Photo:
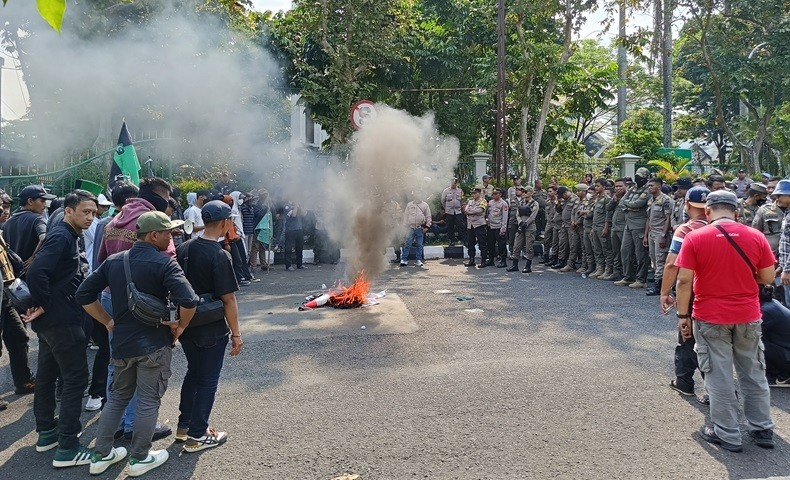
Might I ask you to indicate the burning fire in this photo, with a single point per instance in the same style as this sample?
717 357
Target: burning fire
353 296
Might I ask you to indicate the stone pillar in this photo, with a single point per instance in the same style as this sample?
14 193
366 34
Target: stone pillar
481 164
628 162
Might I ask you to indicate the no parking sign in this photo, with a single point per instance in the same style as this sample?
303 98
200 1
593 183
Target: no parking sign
362 113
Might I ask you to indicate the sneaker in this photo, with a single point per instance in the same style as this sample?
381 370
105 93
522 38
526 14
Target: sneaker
244 283
161 431
779 383
100 464
674 386
419 263
709 435
704 400
27 387
93 404
181 434
211 439
763 438
3 405
72 458
637 284
301 268
291 269
47 440
154 459
404 264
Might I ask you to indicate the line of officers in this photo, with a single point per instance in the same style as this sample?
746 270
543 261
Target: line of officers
610 230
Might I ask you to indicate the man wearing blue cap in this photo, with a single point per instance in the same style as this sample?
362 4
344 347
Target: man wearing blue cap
685 357
781 196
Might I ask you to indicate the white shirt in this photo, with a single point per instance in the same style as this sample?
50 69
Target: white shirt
193 215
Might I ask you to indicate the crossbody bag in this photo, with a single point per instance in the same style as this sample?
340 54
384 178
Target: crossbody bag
739 250
210 309
148 309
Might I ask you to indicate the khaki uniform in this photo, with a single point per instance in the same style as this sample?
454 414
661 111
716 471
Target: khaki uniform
678 214
525 237
512 219
635 204
486 191
476 228
585 217
658 208
616 213
497 218
768 220
571 227
602 246
548 234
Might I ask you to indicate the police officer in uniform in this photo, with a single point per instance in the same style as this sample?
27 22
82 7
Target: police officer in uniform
549 236
679 208
657 230
573 226
525 237
565 213
513 196
602 247
616 214
475 210
496 233
768 220
586 217
755 198
635 203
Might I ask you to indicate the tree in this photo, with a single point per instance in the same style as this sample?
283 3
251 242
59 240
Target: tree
738 51
640 134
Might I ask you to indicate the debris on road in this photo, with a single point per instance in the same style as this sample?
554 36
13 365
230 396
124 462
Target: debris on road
464 298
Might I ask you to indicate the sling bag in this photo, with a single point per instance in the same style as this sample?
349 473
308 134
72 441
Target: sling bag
210 309
739 250
148 309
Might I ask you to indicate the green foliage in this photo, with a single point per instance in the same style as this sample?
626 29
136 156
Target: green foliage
52 11
640 134
187 185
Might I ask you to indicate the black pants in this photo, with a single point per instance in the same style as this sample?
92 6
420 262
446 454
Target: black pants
61 351
456 224
685 363
497 244
477 236
777 360
294 241
101 361
16 341
239 258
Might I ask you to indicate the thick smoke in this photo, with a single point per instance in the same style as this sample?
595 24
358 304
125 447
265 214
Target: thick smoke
183 75
394 158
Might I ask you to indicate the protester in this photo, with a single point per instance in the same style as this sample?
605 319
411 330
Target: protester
209 270
192 213
141 353
53 277
725 261
293 215
776 338
417 221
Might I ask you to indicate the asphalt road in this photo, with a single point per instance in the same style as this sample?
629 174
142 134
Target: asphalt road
557 377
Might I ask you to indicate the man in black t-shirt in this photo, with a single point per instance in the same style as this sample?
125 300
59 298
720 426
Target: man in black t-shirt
209 269
26 228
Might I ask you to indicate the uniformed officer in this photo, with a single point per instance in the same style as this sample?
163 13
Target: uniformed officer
556 228
633 247
602 247
548 235
586 217
573 226
525 236
755 198
496 234
486 188
566 204
768 220
475 210
616 214
513 196
679 208
657 230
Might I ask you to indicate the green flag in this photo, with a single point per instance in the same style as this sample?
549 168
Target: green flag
125 157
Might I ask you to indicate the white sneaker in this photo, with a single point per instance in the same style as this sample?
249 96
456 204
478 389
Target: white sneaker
100 464
211 439
93 404
419 263
403 264
154 459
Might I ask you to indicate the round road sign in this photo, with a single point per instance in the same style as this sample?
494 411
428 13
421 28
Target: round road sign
363 112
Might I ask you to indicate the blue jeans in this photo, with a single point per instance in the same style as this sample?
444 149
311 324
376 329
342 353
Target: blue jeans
61 352
415 235
719 348
127 421
204 364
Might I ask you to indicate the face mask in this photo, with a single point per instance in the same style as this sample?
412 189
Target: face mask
588 196
48 203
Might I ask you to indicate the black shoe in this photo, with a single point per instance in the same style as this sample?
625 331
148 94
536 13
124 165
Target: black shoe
709 435
652 292
513 266
704 400
490 262
527 267
763 438
501 264
674 386
3 405
482 265
559 265
26 388
469 264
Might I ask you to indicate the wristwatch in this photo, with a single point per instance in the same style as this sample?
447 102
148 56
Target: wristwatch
683 315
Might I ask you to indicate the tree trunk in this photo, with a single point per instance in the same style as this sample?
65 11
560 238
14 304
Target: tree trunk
622 66
666 70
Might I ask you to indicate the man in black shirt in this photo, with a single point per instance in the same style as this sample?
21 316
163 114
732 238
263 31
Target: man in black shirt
26 228
141 354
53 277
209 269
776 338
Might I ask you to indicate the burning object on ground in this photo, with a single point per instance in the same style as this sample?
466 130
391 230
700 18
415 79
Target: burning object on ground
355 295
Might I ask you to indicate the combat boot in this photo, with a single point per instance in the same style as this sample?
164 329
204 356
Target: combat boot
606 274
501 263
567 268
655 290
582 269
489 262
513 266
623 282
527 267
470 263
597 273
560 264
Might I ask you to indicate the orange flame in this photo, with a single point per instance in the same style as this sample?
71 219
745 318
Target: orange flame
352 296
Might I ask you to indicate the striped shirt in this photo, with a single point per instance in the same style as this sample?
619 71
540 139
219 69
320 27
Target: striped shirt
683 230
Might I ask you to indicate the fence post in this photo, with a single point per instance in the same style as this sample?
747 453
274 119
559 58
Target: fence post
481 162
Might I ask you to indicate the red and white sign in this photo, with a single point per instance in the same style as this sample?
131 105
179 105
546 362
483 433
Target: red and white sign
362 113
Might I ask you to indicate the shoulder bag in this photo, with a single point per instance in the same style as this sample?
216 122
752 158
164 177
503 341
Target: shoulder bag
148 309
210 309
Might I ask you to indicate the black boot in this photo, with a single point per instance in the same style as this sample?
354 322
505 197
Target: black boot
547 260
470 263
527 267
560 264
655 289
513 267
501 263
490 262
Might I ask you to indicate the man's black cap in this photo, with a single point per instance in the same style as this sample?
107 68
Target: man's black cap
215 211
683 183
33 192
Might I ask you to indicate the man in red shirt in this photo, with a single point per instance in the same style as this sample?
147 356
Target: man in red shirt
726 261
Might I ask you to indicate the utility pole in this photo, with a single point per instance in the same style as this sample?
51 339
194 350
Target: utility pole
2 63
500 145
622 65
